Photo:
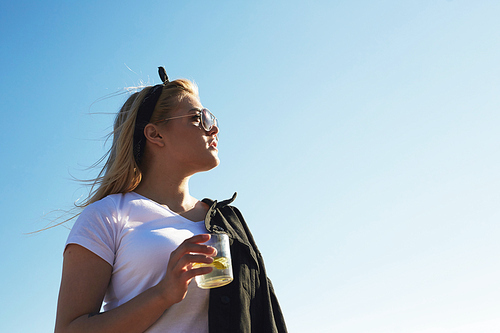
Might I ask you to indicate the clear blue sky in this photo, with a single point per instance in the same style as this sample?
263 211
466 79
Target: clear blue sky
362 138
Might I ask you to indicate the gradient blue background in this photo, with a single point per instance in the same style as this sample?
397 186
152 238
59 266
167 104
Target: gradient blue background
361 136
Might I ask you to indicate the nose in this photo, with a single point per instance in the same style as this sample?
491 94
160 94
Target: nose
214 130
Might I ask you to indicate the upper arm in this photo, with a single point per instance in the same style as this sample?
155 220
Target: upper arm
85 278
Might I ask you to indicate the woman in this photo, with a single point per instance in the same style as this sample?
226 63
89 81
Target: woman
134 244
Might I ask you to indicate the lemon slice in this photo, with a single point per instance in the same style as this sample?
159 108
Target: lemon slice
219 263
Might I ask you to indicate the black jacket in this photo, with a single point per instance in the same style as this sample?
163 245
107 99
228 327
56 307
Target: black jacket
248 303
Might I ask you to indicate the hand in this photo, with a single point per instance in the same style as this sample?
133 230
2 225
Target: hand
180 271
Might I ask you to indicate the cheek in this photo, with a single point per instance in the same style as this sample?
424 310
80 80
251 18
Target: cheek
190 146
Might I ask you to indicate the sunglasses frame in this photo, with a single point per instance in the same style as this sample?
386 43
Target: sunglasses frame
202 113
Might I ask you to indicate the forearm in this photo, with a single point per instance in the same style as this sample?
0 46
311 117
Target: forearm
133 316
86 278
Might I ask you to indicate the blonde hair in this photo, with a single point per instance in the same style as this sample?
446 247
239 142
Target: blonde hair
120 173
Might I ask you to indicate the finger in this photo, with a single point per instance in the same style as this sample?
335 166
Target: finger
191 243
191 273
201 238
186 262
193 259
186 248
193 262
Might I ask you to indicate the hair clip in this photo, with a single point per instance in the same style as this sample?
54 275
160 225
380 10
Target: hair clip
163 75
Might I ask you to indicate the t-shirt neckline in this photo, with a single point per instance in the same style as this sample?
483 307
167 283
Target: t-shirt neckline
165 207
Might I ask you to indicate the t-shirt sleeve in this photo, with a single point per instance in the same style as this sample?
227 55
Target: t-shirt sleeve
95 230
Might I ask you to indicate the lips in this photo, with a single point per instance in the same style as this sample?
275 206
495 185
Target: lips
213 144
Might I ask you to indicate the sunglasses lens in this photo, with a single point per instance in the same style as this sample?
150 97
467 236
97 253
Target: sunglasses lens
207 120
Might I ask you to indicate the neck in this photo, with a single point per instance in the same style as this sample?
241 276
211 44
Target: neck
167 189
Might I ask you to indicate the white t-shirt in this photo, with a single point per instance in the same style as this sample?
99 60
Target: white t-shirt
136 235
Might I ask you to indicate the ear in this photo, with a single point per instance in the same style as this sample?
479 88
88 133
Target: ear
153 135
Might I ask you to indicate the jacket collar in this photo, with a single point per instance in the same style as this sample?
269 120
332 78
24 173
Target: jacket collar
214 206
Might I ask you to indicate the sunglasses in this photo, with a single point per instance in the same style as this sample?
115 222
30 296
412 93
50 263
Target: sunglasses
207 119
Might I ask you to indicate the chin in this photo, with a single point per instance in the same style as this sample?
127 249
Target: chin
209 165
215 163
